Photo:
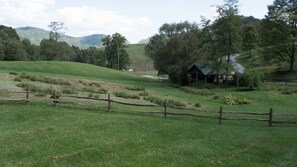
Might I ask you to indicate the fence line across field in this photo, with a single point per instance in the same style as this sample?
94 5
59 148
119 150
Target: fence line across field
220 114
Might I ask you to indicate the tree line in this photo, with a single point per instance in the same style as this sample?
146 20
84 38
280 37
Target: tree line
12 48
179 45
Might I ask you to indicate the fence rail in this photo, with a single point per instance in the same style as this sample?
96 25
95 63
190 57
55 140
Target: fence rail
219 115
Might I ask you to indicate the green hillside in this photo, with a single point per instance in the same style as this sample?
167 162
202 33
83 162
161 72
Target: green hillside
39 134
272 71
35 35
70 69
139 61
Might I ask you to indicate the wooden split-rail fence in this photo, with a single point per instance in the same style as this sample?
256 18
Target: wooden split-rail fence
220 114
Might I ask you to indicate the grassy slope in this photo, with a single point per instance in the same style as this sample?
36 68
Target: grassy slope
42 135
77 70
274 71
137 55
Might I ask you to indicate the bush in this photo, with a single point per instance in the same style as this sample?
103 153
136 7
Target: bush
32 88
174 73
13 73
198 105
44 79
143 94
135 88
155 100
216 97
252 80
175 103
126 95
288 92
68 90
18 79
159 101
203 92
92 90
232 100
49 90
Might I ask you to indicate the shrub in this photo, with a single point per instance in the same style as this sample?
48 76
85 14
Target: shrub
198 105
175 103
49 90
92 90
102 91
135 88
252 80
174 73
203 92
44 79
94 84
287 92
13 73
32 88
18 79
155 100
216 97
97 96
68 90
143 94
232 100
159 101
90 95
126 95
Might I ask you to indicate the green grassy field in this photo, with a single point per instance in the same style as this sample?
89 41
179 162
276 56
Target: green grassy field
39 134
139 61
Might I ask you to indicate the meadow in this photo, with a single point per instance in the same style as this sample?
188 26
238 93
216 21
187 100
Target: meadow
39 134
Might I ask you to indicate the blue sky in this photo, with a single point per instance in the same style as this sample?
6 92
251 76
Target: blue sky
134 19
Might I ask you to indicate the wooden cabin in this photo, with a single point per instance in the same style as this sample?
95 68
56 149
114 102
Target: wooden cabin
202 73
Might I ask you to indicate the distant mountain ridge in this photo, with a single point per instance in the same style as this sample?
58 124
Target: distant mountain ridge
36 35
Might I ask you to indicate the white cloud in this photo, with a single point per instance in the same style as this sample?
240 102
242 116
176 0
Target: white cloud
20 13
212 13
84 20
88 20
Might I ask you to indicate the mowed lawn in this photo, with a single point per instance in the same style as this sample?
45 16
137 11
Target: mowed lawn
42 135
39 134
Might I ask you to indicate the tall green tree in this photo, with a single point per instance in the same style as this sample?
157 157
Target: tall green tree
14 51
227 28
115 52
250 39
32 51
11 48
176 44
211 52
93 55
279 32
175 48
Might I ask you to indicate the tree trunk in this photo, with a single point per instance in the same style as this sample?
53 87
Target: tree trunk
292 60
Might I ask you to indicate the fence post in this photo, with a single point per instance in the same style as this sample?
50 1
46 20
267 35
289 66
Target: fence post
109 102
270 118
165 108
27 95
221 114
54 97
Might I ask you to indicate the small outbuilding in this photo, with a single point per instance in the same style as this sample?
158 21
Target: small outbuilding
203 73
200 73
